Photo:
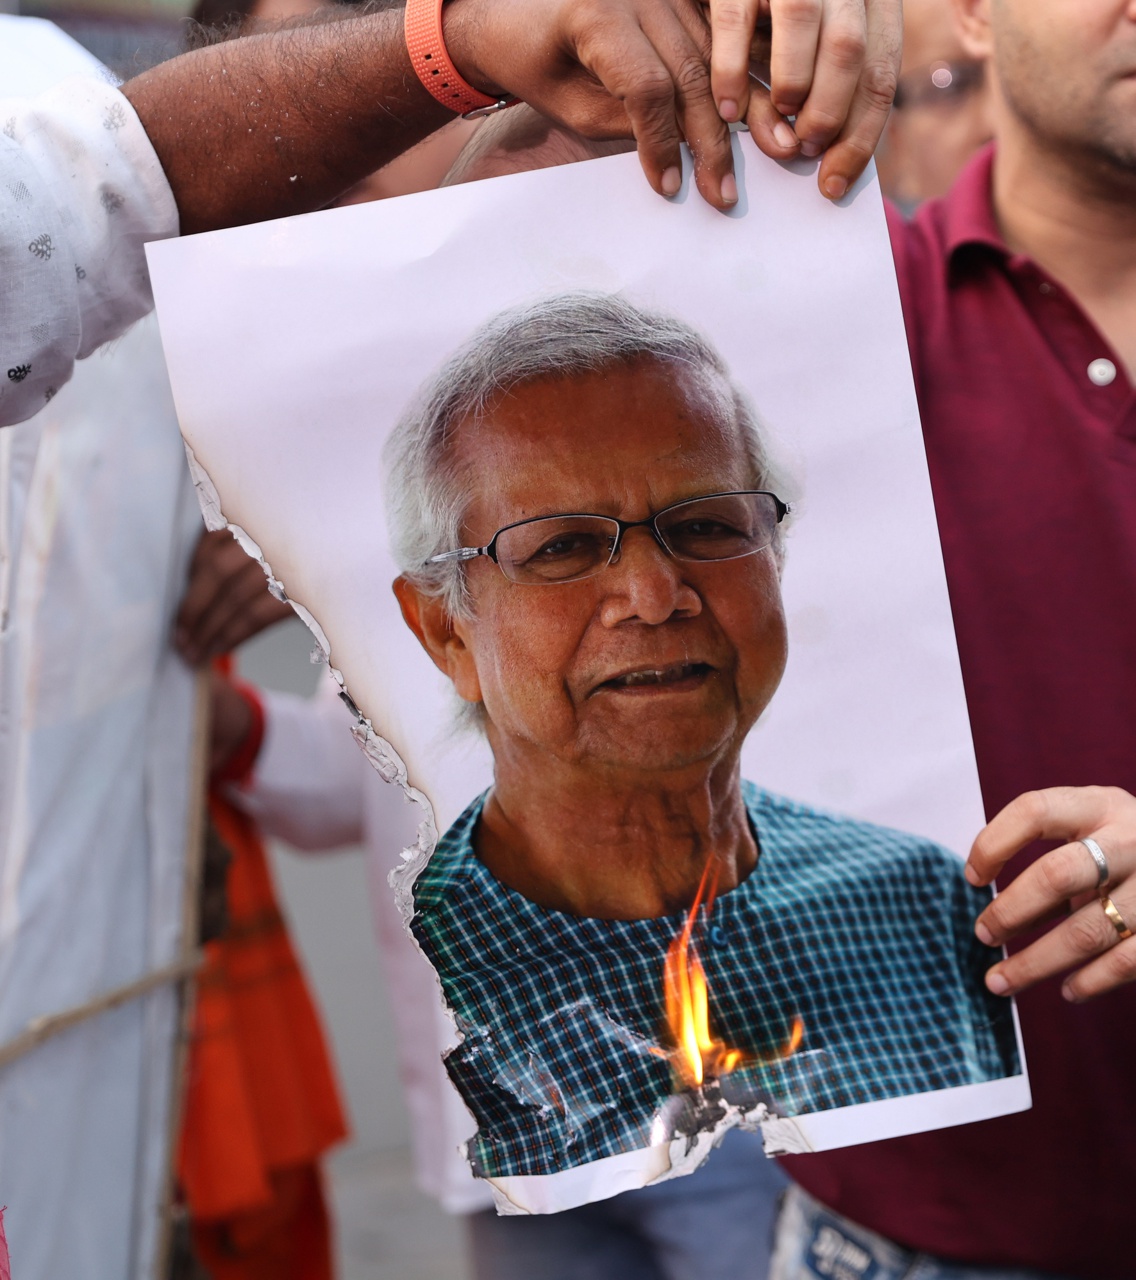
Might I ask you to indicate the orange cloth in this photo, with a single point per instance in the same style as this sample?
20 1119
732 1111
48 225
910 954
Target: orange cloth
261 1099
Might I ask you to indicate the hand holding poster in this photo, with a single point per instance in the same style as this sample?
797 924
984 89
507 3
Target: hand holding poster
529 406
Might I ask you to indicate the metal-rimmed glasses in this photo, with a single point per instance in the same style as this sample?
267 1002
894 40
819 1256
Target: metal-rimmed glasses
941 84
566 548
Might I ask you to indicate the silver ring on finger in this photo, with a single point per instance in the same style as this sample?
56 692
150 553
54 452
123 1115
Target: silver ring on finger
1099 860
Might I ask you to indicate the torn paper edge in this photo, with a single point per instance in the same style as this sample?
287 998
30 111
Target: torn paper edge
380 753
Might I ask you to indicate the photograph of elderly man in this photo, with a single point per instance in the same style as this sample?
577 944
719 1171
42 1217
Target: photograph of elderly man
590 528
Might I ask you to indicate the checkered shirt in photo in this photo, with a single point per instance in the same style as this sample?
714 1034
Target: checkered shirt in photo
865 933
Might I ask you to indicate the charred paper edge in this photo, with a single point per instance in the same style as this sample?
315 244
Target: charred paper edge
665 1158
380 753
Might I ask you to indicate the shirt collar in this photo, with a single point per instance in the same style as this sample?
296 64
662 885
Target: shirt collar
968 209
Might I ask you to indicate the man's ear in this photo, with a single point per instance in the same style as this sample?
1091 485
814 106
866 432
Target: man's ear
427 617
972 18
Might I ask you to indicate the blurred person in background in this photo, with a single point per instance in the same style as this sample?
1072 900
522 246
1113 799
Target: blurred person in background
99 528
941 114
261 1104
98 735
1019 294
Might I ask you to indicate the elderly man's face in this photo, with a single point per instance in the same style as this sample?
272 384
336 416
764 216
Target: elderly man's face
552 662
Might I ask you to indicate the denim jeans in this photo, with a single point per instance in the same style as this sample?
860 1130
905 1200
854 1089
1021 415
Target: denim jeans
716 1224
813 1243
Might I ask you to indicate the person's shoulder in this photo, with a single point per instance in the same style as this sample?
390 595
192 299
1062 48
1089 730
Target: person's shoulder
811 836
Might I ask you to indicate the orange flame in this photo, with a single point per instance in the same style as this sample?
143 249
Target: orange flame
698 1055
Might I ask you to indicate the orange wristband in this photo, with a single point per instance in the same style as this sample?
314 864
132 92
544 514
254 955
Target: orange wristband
434 66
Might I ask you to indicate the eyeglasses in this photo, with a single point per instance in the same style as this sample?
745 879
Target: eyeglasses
553 549
938 85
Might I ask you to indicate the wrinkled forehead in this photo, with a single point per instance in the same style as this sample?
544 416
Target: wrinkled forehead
606 428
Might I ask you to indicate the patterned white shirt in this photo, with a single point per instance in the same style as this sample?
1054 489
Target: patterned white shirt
81 191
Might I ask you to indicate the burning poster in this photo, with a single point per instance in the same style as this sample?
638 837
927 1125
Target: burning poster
613 518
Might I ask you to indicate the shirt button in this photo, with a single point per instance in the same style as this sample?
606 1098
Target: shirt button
1101 372
718 936
1046 288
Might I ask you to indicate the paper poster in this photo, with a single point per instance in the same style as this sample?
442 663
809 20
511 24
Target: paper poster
612 516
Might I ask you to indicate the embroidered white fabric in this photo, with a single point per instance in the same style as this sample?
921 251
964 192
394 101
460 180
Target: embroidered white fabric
97 520
81 191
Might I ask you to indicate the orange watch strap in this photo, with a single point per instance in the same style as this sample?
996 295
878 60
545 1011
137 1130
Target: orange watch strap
433 64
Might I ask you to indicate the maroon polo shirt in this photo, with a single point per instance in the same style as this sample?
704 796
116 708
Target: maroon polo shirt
1031 442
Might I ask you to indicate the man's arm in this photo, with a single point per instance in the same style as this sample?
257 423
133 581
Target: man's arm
281 123
308 782
284 122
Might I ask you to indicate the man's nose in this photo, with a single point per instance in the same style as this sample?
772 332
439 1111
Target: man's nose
646 584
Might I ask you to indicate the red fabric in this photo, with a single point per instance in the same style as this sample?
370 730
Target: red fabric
1034 475
289 1239
261 1096
5 1266
238 768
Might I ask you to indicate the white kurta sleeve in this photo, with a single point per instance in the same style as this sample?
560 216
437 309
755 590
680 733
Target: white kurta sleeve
310 779
81 191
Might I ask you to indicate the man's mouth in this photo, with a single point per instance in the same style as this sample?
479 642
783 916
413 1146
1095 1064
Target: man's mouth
676 675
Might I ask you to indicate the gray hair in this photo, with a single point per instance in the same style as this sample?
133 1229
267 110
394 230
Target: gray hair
573 333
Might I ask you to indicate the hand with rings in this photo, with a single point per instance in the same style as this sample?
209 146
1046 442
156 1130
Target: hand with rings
1090 881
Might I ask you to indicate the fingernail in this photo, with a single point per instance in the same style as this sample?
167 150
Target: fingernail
983 935
729 189
672 180
971 874
728 109
996 983
834 188
811 149
785 136
1067 993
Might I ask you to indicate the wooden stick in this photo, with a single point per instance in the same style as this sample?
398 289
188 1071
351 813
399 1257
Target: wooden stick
51 1024
191 904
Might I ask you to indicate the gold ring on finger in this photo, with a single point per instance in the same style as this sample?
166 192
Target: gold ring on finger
1115 918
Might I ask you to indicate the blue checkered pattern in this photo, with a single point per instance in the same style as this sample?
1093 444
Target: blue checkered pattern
866 933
